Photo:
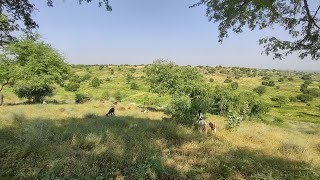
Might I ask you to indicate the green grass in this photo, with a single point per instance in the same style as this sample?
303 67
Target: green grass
76 141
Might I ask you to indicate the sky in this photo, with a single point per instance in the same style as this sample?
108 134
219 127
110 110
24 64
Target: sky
141 31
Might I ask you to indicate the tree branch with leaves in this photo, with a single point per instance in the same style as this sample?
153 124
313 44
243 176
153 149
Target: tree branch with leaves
294 16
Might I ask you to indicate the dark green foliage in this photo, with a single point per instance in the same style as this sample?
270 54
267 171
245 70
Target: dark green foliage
293 99
234 85
129 78
228 80
260 90
304 88
297 18
132 70
307 82
281 100
211 80
134 86
164 77
290 79
268 83
72 86
265 78
314 92
277 87
85 77
304 97
34 93
112 72
280 79
95 82
180 110
306 77
37 67
81 98
119 95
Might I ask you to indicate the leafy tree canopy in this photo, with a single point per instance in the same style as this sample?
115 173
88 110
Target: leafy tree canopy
165 77
34 68
299 18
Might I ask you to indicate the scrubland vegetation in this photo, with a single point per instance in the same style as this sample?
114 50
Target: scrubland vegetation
277 136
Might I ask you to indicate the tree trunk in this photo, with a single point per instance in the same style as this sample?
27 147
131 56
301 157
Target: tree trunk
1 87
1 99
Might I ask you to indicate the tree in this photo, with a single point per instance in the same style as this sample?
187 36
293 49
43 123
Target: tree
281 100
164 77
6 73
299 18
16 15
260 90
95 82
36 67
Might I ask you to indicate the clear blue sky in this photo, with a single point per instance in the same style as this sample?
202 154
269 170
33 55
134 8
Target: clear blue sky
140 31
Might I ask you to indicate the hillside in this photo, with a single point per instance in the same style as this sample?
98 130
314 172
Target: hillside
67 140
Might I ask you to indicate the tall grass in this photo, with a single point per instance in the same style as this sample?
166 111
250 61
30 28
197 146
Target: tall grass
53 144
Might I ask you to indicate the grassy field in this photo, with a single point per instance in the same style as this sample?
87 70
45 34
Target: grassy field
76 141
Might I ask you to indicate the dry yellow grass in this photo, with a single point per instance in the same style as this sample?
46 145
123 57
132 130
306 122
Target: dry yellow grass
248 153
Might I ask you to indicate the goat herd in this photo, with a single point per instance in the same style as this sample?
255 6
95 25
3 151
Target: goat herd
201 123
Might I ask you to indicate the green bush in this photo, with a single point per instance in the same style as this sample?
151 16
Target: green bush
304 97
72 86
85 77
281 100
268 83
105 95
265 78
134 86
293 99
211 80
260 90
228 80
280 79
95 82
234 85
81 98
180 110
119 95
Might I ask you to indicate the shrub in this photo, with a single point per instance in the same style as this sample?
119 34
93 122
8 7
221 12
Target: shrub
265 78
72 86
129 78
306 77
277 87
134 86
293 99
314 92
179 108
280 79
86 77
268 83
112 72
119 96
211 80
81 98
95 82
290 79
260 90
234 85
228 80
281 100
105 95
304 97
